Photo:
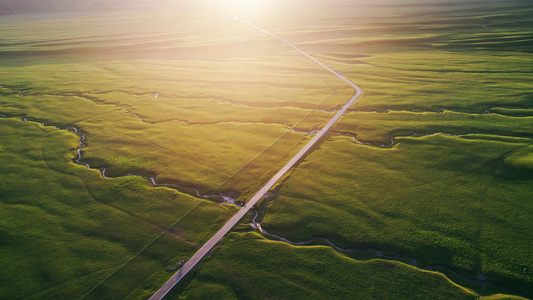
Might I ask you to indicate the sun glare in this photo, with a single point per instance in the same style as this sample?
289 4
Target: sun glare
246 5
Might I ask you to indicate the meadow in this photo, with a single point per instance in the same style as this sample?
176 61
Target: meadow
433 163
185 101
65 230
244 267
455 55
150 95
381 128
443 200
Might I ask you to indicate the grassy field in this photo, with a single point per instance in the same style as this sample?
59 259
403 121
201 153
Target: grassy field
194 97
414 55
455 195
149 95
444 200
64 229
245 267
379 128
176 95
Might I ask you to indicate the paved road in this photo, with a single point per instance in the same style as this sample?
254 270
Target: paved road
240 214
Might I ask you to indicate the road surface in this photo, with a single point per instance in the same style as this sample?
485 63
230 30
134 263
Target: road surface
240 214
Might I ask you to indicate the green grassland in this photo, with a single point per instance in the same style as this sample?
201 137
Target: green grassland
381 127
444 200
176 95
65 230
151 88
456 194
413 55
248 266
196 98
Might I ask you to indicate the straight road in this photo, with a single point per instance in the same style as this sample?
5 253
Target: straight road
240 214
